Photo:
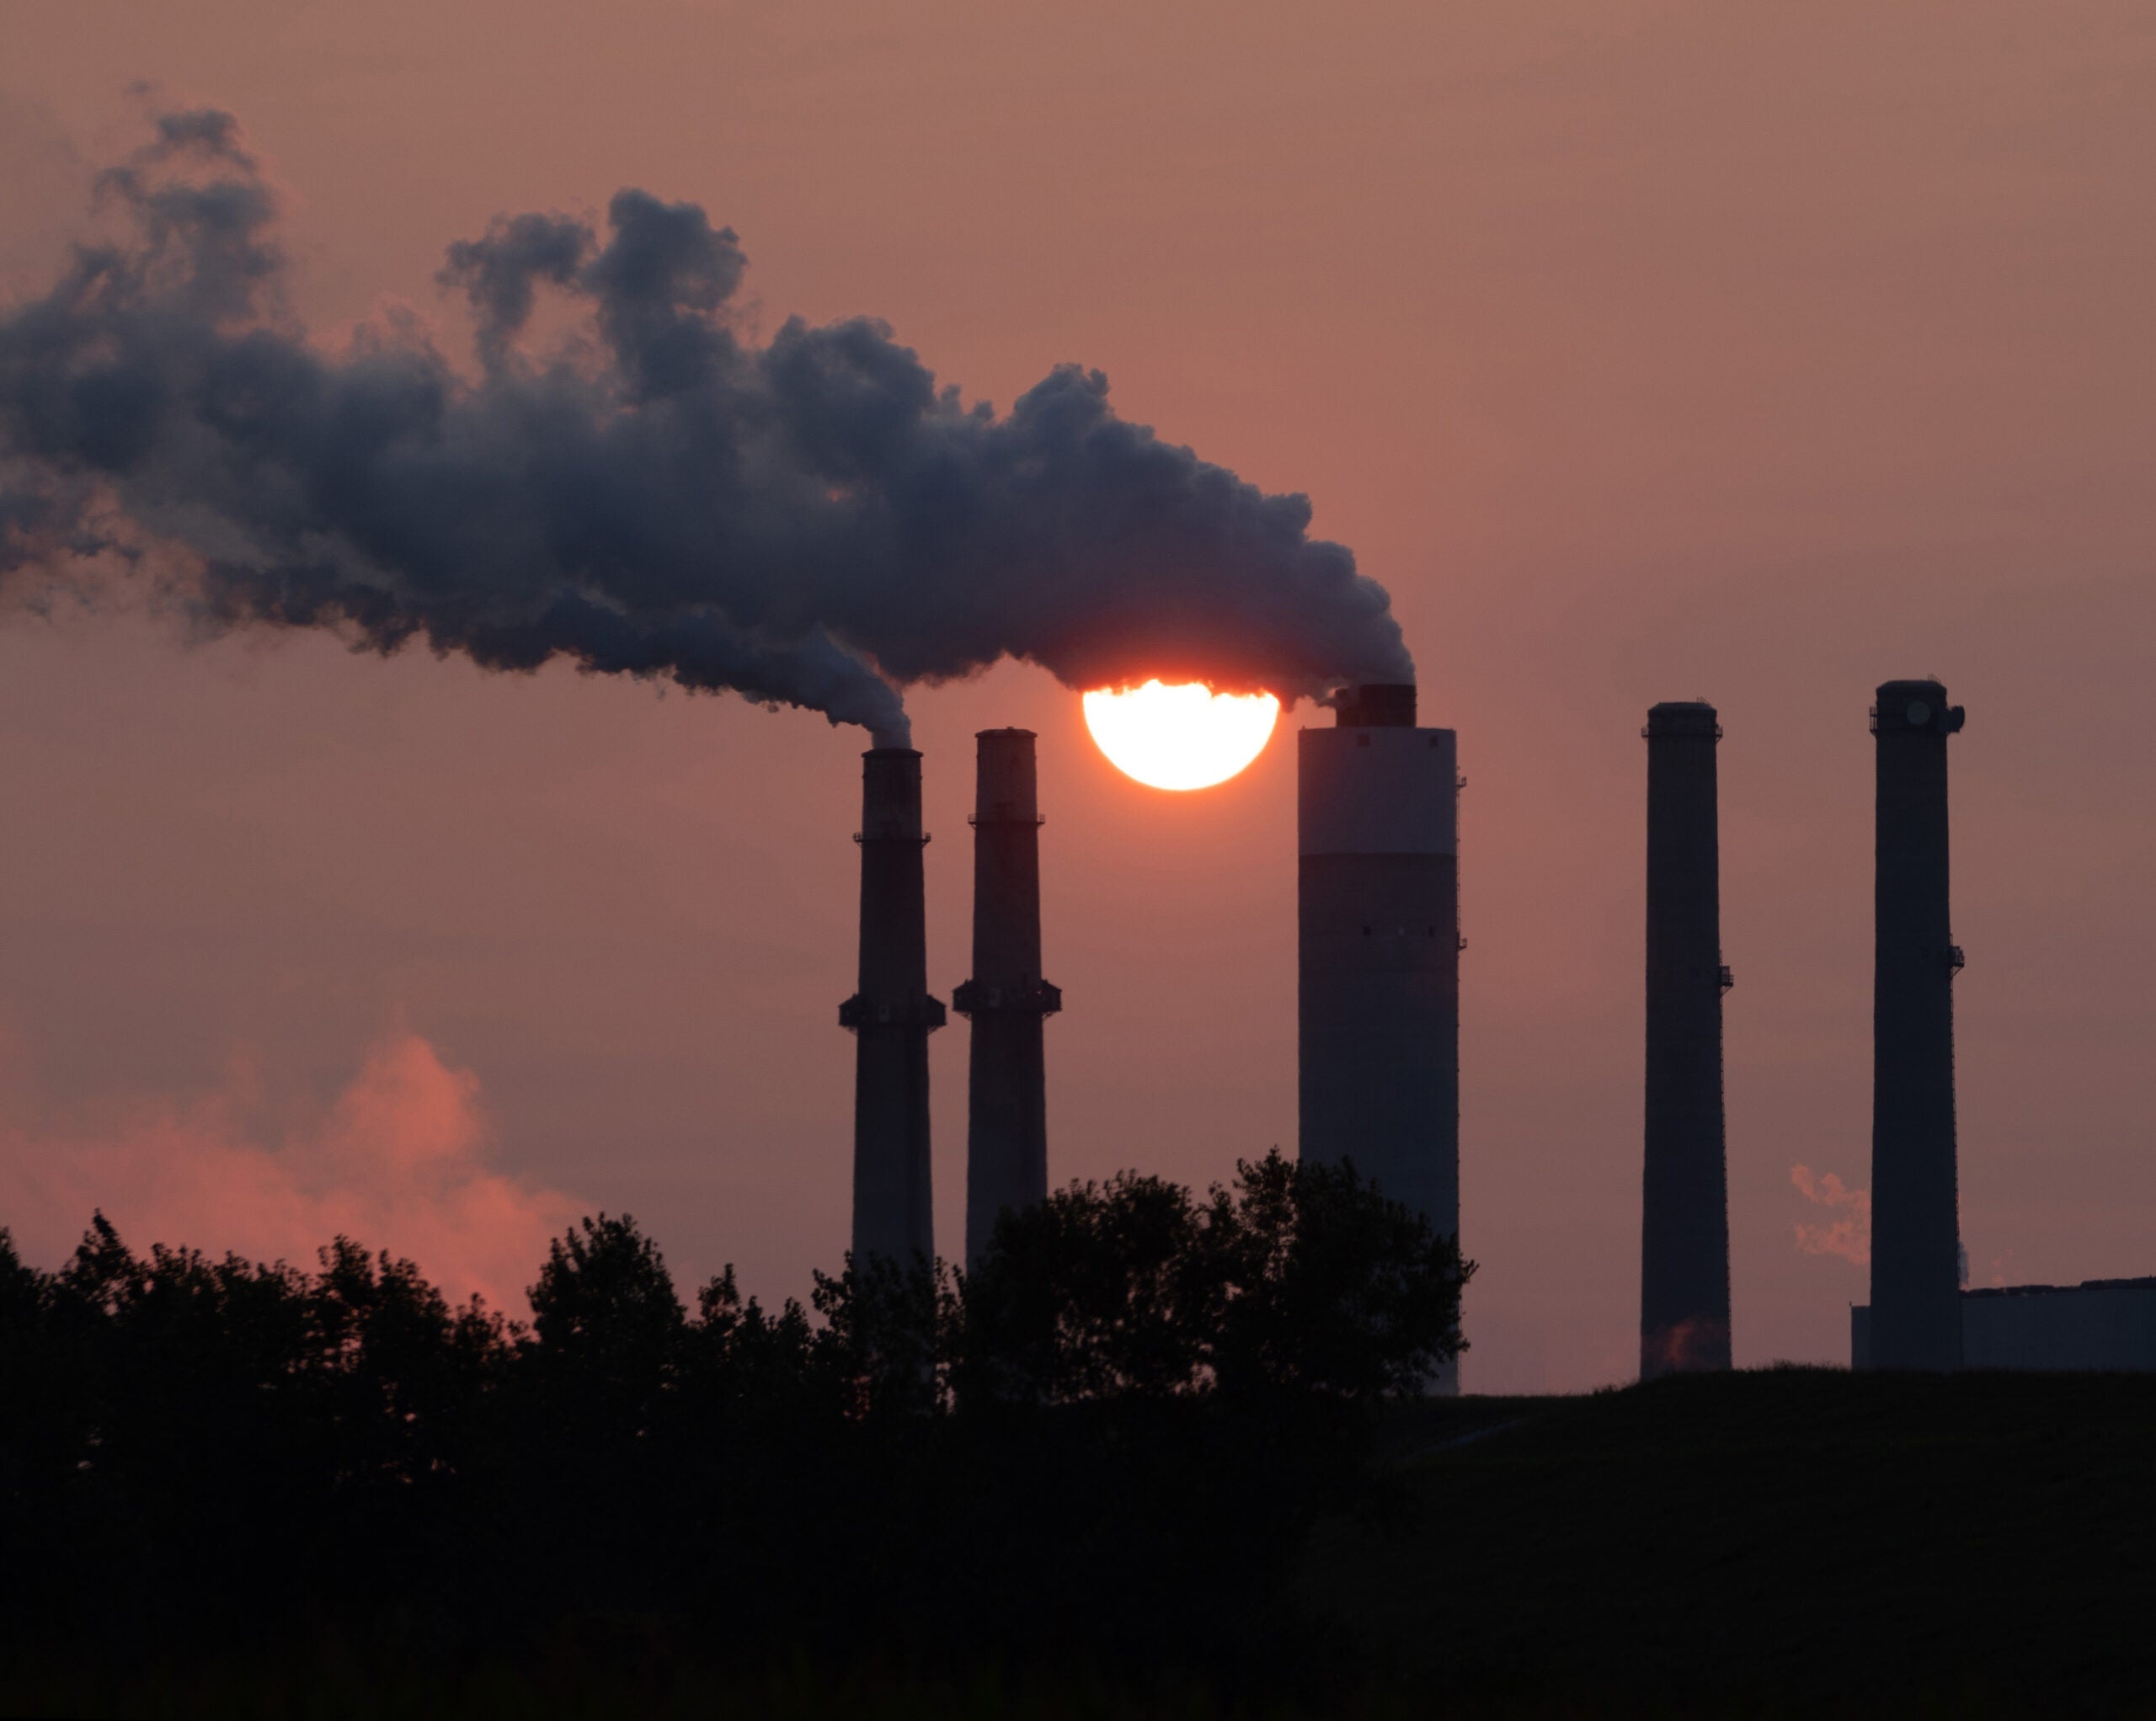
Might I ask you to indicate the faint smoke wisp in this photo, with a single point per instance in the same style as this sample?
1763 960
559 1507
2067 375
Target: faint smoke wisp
1691 1344
812 521
1848 1234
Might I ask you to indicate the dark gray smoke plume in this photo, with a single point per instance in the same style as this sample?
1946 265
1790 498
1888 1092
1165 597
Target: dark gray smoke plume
809 521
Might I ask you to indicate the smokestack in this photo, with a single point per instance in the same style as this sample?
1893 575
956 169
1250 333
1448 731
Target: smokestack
1007 1000
891 1016
1916 1303
1684 1241
1378 947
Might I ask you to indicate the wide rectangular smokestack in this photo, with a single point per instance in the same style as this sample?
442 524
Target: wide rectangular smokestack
1007 1000
1377 948
1684 1241
891 1016
1916 1248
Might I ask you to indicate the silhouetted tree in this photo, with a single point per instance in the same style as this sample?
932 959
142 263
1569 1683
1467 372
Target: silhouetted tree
747 1365
886 1337
400 1374
200 1365
1331 1288
19 1291
1295 1279
1108 1438
44 1386
1094 1293
607 1329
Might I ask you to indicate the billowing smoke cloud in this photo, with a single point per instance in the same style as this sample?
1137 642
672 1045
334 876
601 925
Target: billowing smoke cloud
812 520
1849 1233
399 1160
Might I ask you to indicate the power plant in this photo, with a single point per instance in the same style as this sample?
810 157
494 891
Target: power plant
1007 1000
1377 951
891 1016
1378 954
1916 1242
1684 1233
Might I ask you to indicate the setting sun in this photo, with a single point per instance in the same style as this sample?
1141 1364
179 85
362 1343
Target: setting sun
1180 738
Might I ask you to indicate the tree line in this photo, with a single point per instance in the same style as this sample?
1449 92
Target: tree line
1111 1435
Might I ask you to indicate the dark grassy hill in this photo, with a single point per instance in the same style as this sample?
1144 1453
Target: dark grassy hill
1785 1542
1782 1543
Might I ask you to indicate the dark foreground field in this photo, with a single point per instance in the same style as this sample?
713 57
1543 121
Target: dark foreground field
1784 1542
1778 1544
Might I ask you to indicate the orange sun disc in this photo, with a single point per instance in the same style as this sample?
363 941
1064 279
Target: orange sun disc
1180 738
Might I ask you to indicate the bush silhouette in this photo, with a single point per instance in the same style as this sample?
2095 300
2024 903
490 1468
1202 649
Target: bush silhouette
1111 1434
1297 1279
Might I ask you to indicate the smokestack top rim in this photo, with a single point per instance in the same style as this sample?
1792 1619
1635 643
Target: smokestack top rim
1915 707
892 752
988 734
1374 705
1682 717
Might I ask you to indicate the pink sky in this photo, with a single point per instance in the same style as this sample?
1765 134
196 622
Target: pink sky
1645 351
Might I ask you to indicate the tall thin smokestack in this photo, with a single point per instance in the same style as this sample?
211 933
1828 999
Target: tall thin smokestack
1684 1241
891 1016
1378 945
1916 1247
1007 1000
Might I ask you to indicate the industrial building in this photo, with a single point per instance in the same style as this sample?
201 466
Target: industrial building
891 1016
2100 1324
1684 1229
1377 951
1916 1246
1007 1000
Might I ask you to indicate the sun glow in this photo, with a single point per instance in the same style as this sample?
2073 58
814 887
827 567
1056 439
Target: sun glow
1180 738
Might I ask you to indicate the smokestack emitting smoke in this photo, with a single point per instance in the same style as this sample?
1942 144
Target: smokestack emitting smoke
812 520
1916 1301
1684 1240
891 1016
1007 1000
1378 951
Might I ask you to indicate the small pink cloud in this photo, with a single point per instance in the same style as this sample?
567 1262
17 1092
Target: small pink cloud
1850 1234
401 1159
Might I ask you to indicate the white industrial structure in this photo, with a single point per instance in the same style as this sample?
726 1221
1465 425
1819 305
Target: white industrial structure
1378 907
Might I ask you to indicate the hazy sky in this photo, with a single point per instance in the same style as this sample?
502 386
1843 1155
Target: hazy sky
1746 352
